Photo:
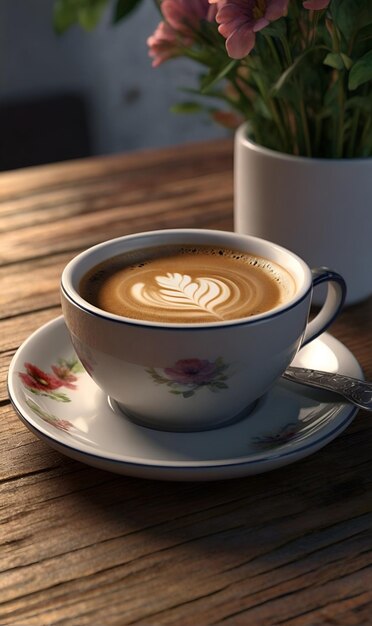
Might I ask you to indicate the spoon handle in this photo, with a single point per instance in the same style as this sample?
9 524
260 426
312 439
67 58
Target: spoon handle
359 392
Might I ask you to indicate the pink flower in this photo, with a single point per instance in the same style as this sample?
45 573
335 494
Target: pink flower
184 16
240 20
163 44
182 22
316 5
35 378
192 371
58 423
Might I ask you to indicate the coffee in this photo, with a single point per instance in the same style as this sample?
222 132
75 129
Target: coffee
187 284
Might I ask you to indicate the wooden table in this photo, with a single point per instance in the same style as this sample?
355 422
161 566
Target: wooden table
80 546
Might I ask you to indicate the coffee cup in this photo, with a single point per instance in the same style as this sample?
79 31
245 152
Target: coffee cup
187 329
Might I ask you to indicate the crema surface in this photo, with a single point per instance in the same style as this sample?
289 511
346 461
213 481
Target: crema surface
187 284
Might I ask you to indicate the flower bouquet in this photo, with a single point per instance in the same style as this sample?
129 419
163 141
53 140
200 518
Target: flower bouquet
296 77
298 71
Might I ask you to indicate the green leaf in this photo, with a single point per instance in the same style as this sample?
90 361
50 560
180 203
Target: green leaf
361 103
123 8
64 15
333 59
361 72
89 16
60 397
351 16
87 13
212 78
348 62
339 61
276 29
77 367
219 385
365 33
292 70
186 107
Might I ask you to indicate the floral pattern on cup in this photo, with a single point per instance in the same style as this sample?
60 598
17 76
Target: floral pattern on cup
40 383
187 376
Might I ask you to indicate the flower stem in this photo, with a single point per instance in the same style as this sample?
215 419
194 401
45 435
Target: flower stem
305 128
365 143
353 133
272 108
339 135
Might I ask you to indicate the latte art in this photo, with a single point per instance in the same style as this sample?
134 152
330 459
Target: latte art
180 291
186 284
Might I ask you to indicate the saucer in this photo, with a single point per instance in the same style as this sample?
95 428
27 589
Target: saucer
58 401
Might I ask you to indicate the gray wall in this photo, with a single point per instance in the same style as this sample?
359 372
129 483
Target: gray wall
128 100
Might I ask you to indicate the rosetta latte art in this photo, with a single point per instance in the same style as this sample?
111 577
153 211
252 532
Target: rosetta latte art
180 291
187 285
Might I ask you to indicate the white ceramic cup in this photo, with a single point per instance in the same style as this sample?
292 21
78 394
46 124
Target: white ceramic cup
187 377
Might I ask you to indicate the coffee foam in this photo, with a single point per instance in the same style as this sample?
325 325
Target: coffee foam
187 284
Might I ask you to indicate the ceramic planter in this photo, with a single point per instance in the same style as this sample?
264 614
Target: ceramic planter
319 208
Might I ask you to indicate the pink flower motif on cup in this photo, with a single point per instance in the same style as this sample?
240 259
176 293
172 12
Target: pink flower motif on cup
240 20
192 371
187 376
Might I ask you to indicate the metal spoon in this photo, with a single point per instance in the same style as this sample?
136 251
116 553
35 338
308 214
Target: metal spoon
359 392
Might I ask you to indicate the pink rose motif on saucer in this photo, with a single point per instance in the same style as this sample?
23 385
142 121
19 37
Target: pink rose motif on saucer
45 384
187 376
38 381
41 383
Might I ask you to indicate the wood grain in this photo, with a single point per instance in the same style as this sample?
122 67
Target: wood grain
79 546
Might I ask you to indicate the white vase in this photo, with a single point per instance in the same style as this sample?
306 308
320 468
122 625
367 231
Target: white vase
319 208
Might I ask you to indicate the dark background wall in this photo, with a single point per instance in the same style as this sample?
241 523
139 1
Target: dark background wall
86 93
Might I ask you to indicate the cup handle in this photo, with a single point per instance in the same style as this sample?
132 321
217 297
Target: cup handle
333 304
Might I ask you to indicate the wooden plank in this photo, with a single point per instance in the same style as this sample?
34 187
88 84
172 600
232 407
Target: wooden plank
192 158
225 549
83 230
14 332
31 286
102 195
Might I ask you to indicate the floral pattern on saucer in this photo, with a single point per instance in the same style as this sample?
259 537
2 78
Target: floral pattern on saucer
46 384
187 376
57 422
40 383
271 440
285 427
